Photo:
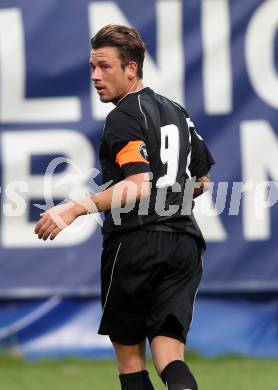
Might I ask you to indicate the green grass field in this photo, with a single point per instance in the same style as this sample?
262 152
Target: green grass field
229 373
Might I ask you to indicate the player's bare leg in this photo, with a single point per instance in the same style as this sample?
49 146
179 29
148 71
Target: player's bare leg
165 350
130 358
131 361
168 358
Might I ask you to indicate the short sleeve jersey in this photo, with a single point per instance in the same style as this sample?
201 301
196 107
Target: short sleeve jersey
148 133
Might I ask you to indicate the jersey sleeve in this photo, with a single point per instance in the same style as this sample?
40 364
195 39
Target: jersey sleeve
201 157
126 143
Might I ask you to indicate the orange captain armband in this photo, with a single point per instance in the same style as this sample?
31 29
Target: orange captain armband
133 152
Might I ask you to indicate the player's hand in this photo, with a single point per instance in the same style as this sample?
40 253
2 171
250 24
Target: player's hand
54 220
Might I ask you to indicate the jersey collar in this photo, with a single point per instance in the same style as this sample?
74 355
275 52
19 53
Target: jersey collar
130 93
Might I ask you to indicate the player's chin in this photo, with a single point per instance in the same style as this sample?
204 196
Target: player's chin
104 96
108 98
104 99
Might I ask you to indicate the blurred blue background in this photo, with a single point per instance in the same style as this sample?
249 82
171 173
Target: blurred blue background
217 58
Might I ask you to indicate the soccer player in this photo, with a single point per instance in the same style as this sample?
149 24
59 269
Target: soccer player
151 261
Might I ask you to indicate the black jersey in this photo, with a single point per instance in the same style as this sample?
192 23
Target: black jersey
147 132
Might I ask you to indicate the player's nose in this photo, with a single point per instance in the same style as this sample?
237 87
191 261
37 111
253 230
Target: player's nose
96 75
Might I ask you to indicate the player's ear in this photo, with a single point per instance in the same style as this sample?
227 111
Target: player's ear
132 70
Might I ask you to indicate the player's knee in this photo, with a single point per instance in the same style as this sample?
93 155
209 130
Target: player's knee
128 363
133 365
163 360
130 358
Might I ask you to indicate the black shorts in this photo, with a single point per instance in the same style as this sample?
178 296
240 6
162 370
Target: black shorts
149 283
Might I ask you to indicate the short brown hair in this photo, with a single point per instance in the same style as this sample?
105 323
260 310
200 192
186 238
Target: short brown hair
126 39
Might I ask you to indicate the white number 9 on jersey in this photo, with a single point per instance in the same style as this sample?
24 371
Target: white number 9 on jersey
169 154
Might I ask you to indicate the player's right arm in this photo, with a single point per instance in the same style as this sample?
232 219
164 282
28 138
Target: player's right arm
126 145
54 220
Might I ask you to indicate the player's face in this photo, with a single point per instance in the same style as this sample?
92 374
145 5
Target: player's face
111 81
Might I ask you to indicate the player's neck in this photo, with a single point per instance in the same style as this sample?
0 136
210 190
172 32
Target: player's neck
134 86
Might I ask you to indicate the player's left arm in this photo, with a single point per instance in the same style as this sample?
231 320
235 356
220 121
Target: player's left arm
201 162
202 185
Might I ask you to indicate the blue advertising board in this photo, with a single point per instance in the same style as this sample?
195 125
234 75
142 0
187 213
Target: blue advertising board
217 58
